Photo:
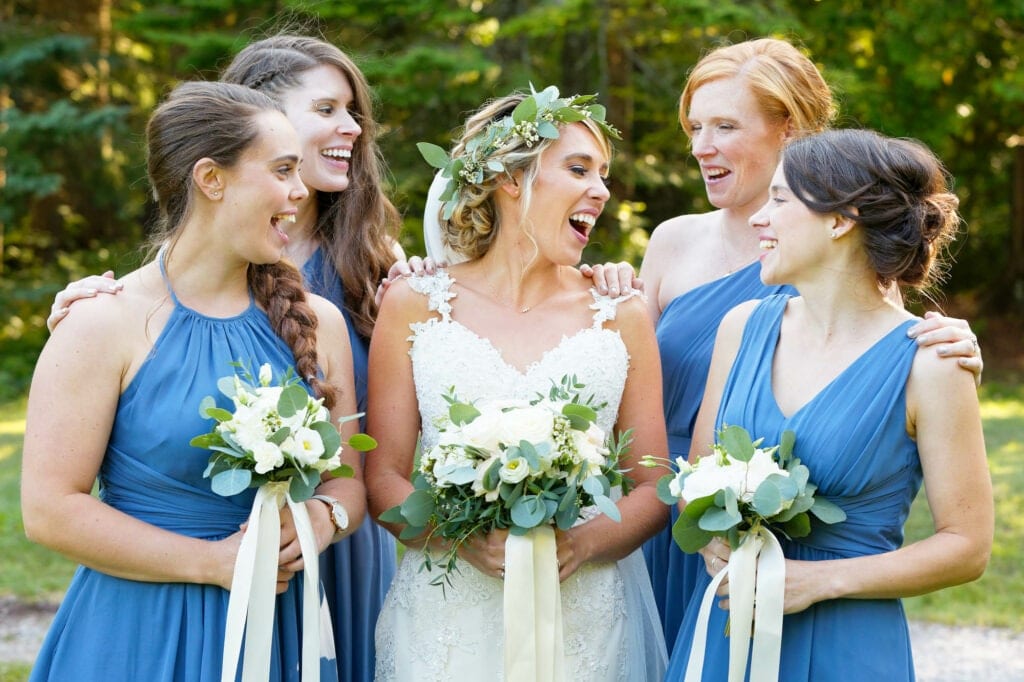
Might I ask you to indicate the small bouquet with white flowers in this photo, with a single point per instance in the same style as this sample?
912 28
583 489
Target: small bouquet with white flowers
741 487
276 433
744 493
279 440
518 465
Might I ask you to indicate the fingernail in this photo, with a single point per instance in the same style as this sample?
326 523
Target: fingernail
91 292
943 351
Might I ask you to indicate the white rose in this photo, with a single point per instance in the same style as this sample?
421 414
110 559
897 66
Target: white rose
514 470
265 374
304 446
484 432
532 424
760 467
708 477
268 457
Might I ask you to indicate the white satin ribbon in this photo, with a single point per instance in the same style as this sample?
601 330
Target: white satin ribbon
252 600
533 608
757 577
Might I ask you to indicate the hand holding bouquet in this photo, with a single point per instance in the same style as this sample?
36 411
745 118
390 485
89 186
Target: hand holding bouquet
511 464
280 440
743 492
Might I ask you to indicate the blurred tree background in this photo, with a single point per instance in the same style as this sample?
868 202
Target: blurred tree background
77 81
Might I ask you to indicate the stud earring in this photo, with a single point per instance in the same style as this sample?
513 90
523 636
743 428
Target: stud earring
215 194
835 235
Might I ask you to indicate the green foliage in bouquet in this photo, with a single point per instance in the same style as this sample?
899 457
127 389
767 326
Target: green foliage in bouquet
276 433
741 487
472 482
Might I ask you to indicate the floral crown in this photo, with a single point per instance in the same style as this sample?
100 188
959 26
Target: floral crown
536 116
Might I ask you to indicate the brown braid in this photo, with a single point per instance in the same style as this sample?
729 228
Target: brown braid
278 289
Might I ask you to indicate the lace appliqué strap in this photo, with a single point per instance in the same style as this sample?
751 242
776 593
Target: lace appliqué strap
438 290
606 306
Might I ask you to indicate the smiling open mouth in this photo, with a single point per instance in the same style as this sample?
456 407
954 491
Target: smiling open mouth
582 222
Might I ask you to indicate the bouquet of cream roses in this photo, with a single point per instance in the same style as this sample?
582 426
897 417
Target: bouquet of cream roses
512 464
276 433
741 487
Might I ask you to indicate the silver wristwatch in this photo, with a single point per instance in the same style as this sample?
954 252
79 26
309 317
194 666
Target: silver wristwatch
339 516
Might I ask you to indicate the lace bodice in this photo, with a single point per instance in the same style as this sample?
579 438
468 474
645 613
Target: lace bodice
447 354
610 627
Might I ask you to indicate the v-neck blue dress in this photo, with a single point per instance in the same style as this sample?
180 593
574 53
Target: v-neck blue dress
110 629
358 570
686 338
852 436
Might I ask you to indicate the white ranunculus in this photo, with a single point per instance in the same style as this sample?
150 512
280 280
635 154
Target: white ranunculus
304 446
267 456
532 424
265 374
514 470
322 465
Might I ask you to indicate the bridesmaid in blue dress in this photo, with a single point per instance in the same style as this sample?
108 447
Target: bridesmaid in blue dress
116 394
851 213
741 104
343 240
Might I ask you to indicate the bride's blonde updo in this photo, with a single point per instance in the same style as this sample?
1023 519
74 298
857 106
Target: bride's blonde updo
473 223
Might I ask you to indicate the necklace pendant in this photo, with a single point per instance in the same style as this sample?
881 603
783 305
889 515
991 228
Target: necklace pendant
524 309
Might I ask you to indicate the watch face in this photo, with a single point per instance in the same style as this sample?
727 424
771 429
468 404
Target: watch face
340 516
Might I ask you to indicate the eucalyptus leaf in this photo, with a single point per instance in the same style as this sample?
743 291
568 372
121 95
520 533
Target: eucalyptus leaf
584 411
226 385
688 535
718 520
433 155
462 413
609 508
767 500
392 515
736 441
526 110
798 527
548 130
664 494
418 508
231 482
300 489
528 511
343 471
293 400
328 436
827 511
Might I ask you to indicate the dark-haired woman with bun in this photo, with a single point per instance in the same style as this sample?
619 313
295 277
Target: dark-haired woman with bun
850 213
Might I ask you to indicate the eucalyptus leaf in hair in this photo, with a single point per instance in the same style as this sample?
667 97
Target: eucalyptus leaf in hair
537 116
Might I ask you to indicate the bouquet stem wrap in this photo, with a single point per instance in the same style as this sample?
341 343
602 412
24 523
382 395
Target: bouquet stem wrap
533 608
252 600
757 577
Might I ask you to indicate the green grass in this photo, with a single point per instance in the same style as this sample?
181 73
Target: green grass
998 597
14 672
36 574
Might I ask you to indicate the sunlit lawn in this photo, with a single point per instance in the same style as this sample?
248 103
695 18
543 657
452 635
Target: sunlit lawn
33 573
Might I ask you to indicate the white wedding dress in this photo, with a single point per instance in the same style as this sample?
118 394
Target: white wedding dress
610 621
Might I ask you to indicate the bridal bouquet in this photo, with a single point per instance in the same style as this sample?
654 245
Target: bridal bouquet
514 464
745 493
279 440
276 433
741 487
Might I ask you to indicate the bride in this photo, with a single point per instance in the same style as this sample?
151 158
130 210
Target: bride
514 317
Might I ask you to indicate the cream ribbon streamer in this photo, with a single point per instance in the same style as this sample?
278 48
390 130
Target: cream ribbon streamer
533 608
757 576
252 600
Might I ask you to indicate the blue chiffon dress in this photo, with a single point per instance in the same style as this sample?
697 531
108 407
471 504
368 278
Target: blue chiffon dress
111 629
852 436
686 338
357 571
